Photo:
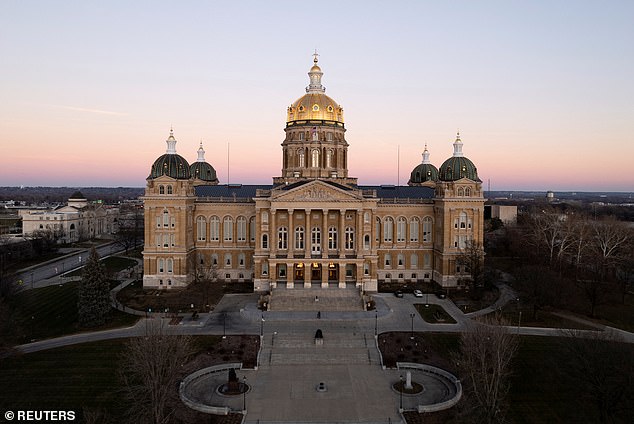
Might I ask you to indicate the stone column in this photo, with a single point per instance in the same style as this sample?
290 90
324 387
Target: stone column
273 232
341 230
324 275
358 234
291 235
342 275
273 272
324 234
307 274
290 275
308 235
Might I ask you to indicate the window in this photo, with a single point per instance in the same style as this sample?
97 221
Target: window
388 229
161 265
413 230
349 270
426 260
314 155
161 189
214 228
166 240
282 238
467 192
281 270
170 190
463 220
227 229
300 157
166 219
158 222
242 228
329 158
201 228
377 229
214 260
329 135
170 264
265 268
400 229
349 238
388 260
460 192
366 242
299 238
173 239
301 136
366 269
315 240
241 260
265 241
173 222
227 259
265 217
366 217
252 229
413 260
427 229
332 238
401 260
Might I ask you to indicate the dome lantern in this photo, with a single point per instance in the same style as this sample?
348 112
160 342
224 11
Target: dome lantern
170 164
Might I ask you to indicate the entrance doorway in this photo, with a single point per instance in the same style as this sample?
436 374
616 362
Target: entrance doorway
299 273
333 272
315 272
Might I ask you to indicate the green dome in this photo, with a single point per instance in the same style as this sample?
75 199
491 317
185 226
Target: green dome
170 165
458 167
422 173
203 171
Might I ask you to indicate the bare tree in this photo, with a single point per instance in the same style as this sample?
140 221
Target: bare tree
603 368
472 258
486 351
151 370
535 283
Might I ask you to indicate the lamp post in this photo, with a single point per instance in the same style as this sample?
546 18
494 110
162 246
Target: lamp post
427 298
244 393
262 326
224 325
412 315
400 407
376 323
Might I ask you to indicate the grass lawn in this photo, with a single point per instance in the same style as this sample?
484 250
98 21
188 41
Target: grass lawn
86 375
112 263
544 319
51 312
617 314
434 314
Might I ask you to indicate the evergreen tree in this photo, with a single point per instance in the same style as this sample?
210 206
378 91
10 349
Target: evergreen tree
94 293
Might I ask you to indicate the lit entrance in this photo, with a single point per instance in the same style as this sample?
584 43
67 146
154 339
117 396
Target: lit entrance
315 272
333 272
299 273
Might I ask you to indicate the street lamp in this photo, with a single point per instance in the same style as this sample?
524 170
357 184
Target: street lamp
376 323
427 298
262 326
400 408
244 393
412 315
224 325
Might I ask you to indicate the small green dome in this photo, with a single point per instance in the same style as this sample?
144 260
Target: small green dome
458 167
203 171
422 173
170 165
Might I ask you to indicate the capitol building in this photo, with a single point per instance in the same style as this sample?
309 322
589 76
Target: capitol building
315 225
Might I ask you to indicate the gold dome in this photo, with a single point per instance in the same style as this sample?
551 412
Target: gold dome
315 104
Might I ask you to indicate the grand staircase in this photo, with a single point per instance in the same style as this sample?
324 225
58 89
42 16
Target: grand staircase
316 299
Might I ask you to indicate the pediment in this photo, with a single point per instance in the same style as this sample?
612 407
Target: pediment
316 191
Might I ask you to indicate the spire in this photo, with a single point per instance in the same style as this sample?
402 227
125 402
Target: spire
171 143
315 77
426 155
457 146
201 153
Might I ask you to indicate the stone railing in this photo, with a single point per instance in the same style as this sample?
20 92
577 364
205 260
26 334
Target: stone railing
438 372
208 409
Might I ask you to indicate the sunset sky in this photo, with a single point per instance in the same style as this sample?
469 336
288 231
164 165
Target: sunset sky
541 91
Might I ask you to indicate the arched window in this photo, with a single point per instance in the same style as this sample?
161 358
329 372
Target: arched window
366 217
241 260
315 244
227 260
349 238
242 228
170 265
388 260
332 238
366 269
329 157
265 268
161 266
301 136
300 157
170 190
377 229
388 229
227 229
265 241
314 155
401 260
463 220
427 229
214 228
366 242
282 238
400 229
467 192
427 260
161 189
413 260
214 260
201 228
166 218
460 192
413 229
265 217
252 229
299 238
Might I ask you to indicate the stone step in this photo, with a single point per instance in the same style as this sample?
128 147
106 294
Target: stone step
296 357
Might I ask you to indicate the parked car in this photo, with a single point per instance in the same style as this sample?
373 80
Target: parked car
418 293
398 293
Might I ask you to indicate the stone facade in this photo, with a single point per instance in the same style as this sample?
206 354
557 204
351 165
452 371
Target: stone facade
315 226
